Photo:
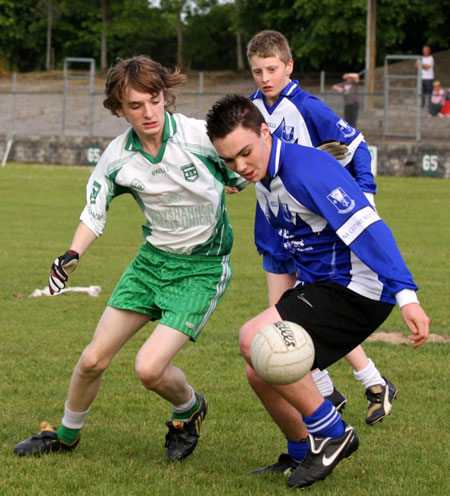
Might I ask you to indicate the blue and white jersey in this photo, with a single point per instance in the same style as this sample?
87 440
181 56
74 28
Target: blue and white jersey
328 226
299 117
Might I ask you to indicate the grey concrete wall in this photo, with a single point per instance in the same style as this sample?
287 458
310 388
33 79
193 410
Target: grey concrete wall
412 158
394 158
66 150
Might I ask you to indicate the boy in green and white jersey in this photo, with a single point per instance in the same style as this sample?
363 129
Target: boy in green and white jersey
168 164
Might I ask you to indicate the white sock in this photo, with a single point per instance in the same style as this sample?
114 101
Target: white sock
369 376
73 420
185 406
323 382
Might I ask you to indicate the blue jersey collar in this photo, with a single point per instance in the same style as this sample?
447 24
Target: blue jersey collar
289 90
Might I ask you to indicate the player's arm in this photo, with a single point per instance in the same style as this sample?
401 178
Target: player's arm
82 239
93 221
373 243
361 170
65 264
339 200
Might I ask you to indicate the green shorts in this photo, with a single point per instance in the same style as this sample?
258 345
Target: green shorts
181 291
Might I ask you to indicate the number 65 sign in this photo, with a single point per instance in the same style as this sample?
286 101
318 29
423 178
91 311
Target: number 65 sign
429 164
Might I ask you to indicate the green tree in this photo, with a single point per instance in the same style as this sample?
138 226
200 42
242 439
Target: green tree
22 34
331 34
210 41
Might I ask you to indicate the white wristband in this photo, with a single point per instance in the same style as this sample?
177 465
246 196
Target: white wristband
406 296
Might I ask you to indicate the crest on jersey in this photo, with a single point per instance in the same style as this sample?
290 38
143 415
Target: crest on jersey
137 184
287 134
345 128
190 172
343 203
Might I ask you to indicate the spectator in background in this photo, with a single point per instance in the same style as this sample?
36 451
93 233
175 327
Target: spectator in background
349 89
437 100
427 73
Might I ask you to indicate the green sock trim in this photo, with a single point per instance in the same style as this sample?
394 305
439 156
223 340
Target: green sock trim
66 435
187 415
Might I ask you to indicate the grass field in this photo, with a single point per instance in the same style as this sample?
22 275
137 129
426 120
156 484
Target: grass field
122 448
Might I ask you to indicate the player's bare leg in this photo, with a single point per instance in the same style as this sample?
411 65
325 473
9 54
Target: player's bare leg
154 368
357 358
277 284
153 365
113 330
301 412
380 392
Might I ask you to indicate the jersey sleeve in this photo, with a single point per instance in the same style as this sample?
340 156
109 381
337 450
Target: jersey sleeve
100 190
324 125
334 195
360 169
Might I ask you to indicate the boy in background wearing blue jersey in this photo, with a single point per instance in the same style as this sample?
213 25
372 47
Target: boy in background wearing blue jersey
350 276
168 164
295 116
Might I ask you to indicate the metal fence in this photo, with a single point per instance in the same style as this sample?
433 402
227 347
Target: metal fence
52 106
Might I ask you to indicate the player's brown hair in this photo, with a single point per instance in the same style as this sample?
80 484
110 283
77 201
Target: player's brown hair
142 74
269 43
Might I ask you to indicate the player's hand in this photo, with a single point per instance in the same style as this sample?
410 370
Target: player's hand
417 321
230 190
62 267
335 148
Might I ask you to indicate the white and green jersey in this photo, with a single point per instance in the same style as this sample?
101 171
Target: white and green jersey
181 191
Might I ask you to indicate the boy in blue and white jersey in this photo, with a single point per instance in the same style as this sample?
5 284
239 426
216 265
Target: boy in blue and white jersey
168 164
350 274
296 116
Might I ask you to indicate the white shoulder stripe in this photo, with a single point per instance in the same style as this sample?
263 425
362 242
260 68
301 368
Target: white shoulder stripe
352 147
277 157
357 224
291 89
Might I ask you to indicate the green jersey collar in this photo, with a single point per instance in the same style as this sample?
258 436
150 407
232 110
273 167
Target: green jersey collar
134 143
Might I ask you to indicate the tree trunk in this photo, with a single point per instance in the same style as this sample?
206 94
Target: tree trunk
179 41
48 55
104 44
239 57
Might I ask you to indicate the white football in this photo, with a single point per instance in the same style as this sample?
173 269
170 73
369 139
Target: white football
282 352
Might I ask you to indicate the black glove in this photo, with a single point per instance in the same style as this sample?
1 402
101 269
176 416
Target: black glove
334 148
62 267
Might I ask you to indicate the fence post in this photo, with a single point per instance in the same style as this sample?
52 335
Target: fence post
63 126
322 82
13 130
91 99
200 90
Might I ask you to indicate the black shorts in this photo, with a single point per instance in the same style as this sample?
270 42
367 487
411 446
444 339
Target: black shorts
337 318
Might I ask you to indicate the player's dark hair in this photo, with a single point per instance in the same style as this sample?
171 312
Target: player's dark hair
140 73
269 43
230 112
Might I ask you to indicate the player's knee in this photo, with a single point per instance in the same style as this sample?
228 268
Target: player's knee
149 374
245 340
92 363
